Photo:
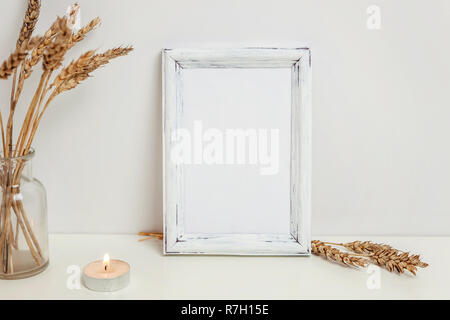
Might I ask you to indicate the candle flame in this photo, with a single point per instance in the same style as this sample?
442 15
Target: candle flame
106 262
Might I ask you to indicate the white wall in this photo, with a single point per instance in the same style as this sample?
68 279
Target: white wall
381 111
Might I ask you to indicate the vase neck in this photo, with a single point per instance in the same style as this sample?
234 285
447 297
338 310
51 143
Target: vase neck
13 170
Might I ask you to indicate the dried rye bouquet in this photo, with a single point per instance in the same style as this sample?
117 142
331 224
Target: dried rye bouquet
45 52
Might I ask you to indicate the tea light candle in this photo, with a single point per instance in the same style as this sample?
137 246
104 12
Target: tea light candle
107 275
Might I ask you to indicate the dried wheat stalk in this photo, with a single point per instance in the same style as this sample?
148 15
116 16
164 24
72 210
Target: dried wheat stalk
385 256
80 35
328 252
151 235
54 54
50 49
9 65
29 22
80 69
38 51
364 246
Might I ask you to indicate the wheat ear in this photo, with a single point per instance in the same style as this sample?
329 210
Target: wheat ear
330 253
54 54
29 22
81 34
399 262
80 69
386 256
38 51
9 65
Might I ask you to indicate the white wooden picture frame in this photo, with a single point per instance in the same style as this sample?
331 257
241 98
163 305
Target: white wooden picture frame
179 183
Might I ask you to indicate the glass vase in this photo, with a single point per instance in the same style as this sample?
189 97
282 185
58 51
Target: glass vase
23 219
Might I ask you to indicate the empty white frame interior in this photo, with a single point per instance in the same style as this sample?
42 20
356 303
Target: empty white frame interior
236 151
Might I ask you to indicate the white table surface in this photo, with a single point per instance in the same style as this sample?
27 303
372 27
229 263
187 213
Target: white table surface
154 276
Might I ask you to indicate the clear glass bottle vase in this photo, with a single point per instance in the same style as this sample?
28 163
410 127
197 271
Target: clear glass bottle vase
23 220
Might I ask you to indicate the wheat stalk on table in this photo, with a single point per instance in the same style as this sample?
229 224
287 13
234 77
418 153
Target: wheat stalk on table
385 256
359 254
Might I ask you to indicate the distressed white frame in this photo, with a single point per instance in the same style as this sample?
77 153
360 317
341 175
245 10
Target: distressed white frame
298 241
